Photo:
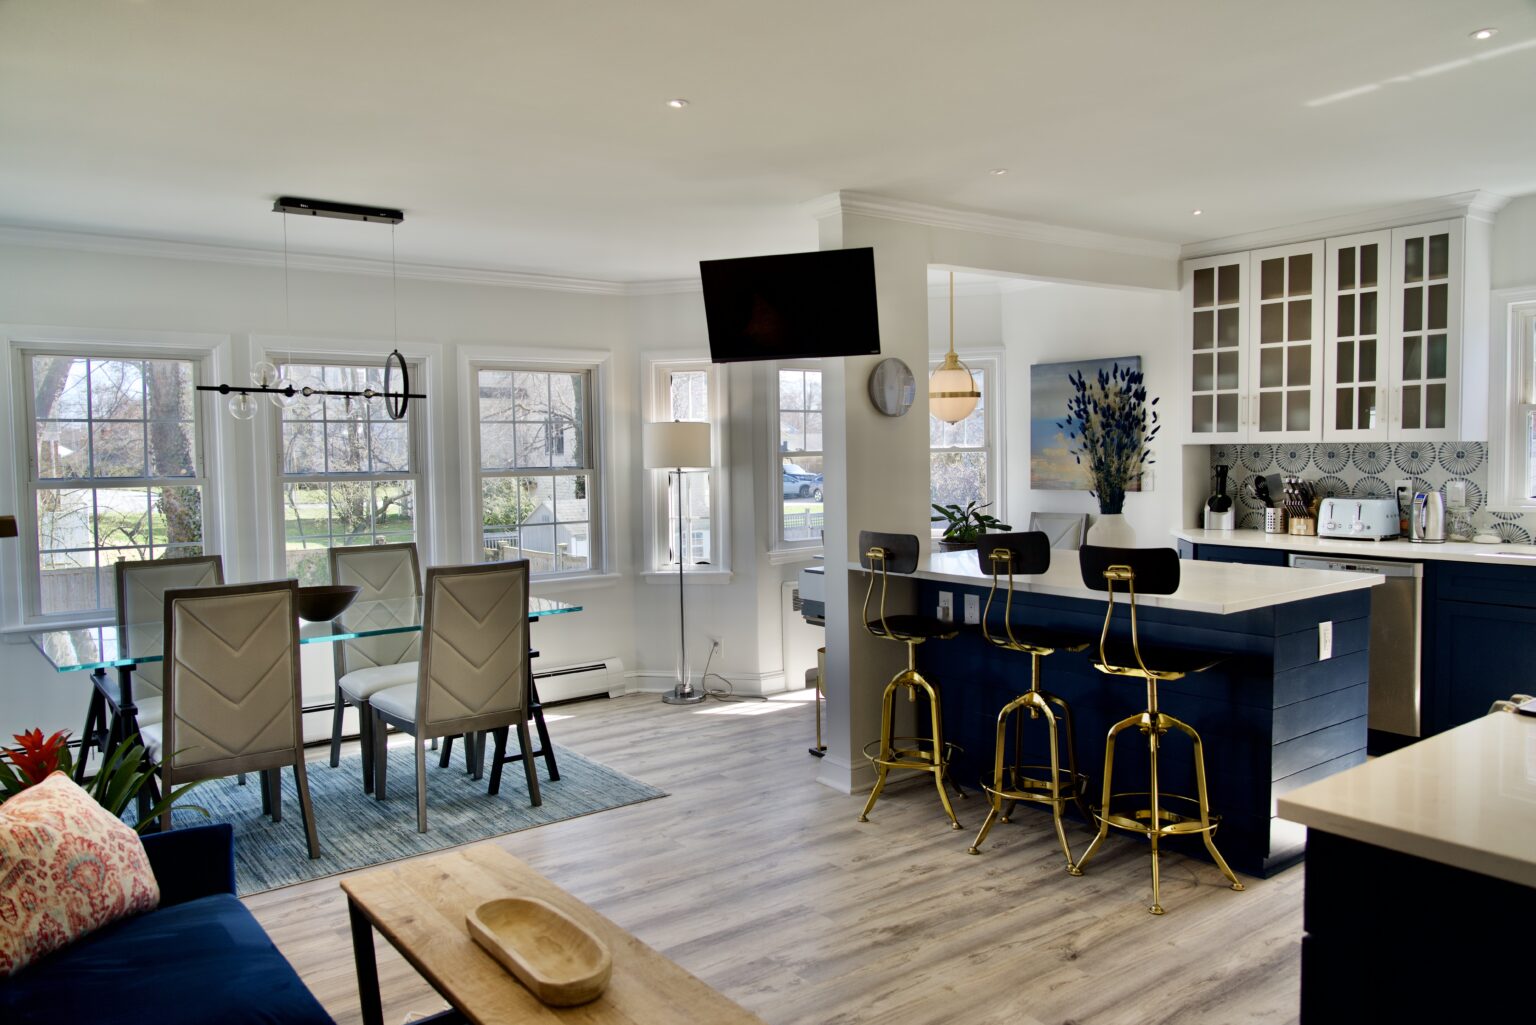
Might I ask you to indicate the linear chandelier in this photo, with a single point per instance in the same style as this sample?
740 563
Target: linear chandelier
266 379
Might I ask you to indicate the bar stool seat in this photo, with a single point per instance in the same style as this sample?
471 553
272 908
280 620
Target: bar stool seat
1150 571
1013 781
882 554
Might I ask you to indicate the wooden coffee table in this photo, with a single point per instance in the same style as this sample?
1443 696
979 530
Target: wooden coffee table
419 906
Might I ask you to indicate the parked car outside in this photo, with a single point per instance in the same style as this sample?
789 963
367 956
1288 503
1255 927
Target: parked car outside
799 483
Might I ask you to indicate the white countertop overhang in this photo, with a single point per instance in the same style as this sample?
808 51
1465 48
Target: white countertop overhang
1451 551
1217 588
1466 798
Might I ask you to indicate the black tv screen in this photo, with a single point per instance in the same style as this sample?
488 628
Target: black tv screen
792 306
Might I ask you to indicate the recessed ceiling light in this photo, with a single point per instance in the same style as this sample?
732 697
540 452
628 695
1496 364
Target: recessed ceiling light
1197 213
677 104
998 170
1485 33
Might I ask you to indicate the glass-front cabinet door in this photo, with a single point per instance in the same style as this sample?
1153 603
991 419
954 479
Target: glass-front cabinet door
1217 292
1286 332
1355 354
1426 331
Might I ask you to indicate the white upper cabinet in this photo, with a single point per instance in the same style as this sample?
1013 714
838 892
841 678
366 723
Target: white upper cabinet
1217 300
1377 336
1357 290
1285 336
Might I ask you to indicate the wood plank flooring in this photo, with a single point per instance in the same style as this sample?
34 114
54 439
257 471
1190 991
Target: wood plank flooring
761 881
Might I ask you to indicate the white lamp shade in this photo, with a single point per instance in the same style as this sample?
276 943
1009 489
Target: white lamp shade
952 394
676 444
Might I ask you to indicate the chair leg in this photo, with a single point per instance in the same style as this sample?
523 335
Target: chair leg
936 717
338 708
380 756
1157 815
266 794
306 808
240 778
421 784
1109 772
165 782
274 784
447 755
1066 720
365 728
543 731
498 756
1056 798
479 760
886 712
525 744
1205 804
998 779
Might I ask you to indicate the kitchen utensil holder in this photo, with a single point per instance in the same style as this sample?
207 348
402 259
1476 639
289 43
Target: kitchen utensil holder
1276 520
1304 526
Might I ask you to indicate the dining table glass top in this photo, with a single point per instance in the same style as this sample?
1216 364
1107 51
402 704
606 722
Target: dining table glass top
110 647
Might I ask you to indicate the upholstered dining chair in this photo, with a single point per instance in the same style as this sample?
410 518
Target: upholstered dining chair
370 664
232 691
473 673
140 588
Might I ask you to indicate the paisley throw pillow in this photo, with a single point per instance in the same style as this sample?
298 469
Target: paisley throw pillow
67 867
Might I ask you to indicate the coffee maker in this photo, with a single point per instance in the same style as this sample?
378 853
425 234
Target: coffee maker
1219 514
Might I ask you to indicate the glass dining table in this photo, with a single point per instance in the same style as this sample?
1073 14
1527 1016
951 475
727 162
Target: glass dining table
112 714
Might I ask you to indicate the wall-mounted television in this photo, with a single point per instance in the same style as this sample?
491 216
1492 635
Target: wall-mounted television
791 306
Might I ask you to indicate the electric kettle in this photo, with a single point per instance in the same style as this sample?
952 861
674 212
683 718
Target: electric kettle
1427 524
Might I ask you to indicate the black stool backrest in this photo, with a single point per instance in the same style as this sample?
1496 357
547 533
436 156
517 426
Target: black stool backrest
1028 552
1156 569
900 551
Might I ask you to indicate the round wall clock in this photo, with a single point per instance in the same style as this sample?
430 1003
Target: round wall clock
892 388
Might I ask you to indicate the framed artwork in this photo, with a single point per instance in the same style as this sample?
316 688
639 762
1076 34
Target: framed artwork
1052 467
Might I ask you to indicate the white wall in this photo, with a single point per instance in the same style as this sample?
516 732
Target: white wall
1514 244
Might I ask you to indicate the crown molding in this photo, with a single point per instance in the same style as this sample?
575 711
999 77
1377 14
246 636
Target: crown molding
866 205
204 252
1474 204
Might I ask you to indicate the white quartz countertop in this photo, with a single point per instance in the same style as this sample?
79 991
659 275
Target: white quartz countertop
1213 587
1465 798
1506 554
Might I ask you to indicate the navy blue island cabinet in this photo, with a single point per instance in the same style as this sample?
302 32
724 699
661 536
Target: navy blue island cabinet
1272 715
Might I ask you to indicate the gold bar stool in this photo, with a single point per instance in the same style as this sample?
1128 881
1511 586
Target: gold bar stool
882 554
1012 782
1153 571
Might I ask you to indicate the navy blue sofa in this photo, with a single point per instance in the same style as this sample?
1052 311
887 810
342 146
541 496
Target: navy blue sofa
200 957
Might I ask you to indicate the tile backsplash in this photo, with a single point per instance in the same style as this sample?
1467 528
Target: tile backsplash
1370 470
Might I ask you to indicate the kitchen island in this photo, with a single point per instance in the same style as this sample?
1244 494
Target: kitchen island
1273 715
1423 856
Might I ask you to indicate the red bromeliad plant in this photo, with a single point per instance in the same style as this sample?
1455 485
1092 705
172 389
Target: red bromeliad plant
117 783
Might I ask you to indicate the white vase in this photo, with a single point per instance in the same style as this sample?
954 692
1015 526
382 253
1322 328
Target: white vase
1110 530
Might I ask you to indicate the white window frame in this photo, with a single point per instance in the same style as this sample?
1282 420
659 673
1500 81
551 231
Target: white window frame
594 365
787 551
415 418
1512 399
658 532
990 363
210 355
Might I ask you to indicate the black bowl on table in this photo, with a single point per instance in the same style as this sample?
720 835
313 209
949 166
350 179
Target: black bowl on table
325 601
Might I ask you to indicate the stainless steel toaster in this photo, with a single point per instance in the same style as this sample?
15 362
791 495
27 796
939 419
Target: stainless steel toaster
1363 519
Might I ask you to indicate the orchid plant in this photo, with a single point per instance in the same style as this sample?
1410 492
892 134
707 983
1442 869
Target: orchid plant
1111 423
122 775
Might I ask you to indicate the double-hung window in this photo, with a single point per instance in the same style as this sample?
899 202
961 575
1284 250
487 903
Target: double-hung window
962 462
688 391
1513 463
799 446
116 472
349 475
536 465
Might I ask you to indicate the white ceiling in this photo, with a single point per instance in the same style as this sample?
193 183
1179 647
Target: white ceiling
534 136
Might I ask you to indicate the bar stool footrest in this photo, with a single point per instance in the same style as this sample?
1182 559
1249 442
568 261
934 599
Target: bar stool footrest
1037 788
919 755
1132 812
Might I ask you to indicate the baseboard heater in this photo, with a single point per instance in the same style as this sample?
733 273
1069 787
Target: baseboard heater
567 683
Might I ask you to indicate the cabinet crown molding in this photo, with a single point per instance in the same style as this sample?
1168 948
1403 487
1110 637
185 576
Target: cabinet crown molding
1474 204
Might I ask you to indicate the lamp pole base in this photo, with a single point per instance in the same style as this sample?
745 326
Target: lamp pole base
684 694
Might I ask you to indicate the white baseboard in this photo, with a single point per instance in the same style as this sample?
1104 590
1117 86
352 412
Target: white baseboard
660 681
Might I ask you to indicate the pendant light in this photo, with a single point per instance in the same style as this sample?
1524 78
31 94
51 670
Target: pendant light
267 379
952 392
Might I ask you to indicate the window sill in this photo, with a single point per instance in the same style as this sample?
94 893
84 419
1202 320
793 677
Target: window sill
27 629
583 582
715 577
784 556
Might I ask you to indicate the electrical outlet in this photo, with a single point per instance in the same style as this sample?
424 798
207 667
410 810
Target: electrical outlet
947 606
1455 494
1405 486
1325 640
973 609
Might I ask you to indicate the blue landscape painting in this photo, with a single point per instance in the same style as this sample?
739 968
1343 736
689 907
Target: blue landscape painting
1052 466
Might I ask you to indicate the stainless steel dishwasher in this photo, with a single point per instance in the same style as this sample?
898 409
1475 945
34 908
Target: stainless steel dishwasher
1395 629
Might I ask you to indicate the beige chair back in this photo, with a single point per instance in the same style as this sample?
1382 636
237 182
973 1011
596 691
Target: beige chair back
474 649
141 588
231 679
381 571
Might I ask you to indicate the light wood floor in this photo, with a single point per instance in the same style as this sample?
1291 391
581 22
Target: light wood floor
761 882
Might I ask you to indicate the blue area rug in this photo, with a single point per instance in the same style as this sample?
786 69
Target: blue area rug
357 831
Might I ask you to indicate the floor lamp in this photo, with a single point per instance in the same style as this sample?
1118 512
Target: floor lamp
677 446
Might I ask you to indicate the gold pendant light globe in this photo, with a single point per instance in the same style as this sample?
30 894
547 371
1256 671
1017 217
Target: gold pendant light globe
952 394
